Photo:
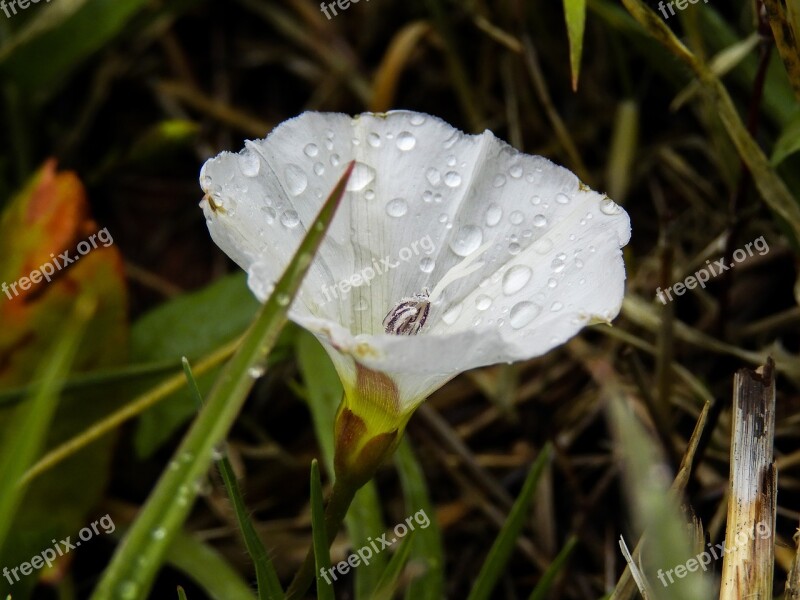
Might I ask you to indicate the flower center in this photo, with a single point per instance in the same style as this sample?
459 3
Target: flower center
409 315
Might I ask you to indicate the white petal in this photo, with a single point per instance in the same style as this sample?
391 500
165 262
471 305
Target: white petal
528 254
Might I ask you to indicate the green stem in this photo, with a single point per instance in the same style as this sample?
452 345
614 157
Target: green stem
339 501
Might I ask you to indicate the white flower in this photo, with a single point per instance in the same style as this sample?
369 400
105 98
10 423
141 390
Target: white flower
514 254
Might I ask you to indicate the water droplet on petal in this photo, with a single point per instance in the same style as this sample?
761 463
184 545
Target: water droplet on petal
374 140
369 194
452 179
269 214
515 171
397 207
433 176
406 141
335 160
296 180
360 178
417 119
523 313
158 534
514 249
283 300
609 207
557 306
493 215
562 198
559 262
483 302
467 240
536 200
540 221
290 219
516 218
552 283
499 181
452 313
578 263
426 265
319 169
311 150
516 278
249 163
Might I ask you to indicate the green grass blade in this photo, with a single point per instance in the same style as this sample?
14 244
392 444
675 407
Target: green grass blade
542 589
503 546
387 586
323 392
269 586
207 568
181 594
31 420
162 517
322 553
426 549
575 15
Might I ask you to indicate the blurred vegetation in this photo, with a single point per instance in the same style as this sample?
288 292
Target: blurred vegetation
109 108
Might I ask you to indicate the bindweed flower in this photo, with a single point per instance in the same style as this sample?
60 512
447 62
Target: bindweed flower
448 252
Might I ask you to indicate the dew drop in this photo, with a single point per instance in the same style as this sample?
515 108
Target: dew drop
290 219
443 218
451 160
609 207
427 196
433 176
516 218
406 141
578 263
493 215
515 171
540 221
249 163
536 200
452 179
559 262
374 140
557 306
483 302
397 207
360 178
158 534
562 198
514 249
452 313
269 214
335 160
319 169
523 313
426 265
466 240
128 590
282 299
499 181
417 119
516 278
311 150
552 283
296 180
369 194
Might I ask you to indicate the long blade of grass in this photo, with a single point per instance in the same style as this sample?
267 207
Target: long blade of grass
181 594
426 549
542 589
207 568
31 420
136 561
269 586
387 586
575 15
322 552
503 546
